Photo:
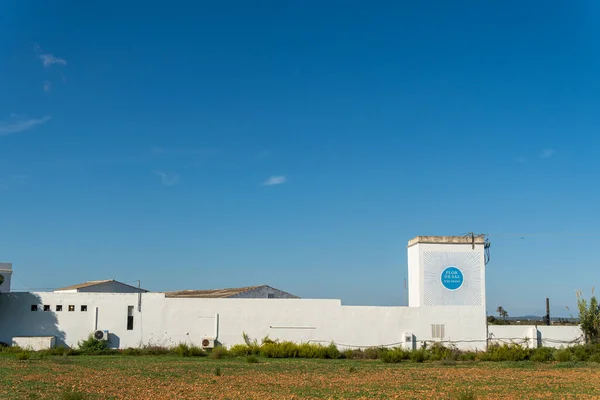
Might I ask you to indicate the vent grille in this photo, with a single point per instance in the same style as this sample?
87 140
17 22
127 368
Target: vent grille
437 331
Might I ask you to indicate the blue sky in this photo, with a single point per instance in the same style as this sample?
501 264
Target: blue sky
299 144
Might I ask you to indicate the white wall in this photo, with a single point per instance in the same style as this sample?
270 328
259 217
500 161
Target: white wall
535 336
169 321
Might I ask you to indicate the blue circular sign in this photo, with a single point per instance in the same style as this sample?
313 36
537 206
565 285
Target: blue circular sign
452 278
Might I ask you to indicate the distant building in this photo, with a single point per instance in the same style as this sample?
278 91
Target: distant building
249 292
105 286
6 272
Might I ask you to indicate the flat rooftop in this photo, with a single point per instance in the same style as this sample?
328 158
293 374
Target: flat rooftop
478 239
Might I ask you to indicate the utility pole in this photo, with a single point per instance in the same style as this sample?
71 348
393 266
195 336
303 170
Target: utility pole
547 316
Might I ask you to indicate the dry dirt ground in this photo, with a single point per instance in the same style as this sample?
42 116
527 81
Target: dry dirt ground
167 377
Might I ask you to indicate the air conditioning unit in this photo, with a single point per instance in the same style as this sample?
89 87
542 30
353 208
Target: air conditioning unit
208 343
409 341
101 335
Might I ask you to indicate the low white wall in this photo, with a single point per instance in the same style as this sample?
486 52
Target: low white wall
535 336
35 343
169 321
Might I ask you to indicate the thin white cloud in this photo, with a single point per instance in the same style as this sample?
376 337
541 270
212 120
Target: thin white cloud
168 179
48 60
18 124
47 86
547 153
275 180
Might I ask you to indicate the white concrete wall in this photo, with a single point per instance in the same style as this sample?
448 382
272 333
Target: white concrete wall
532 336
169 321
35 343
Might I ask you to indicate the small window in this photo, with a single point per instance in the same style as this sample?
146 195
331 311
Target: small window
83 308
34 307
59 307
270 296
437 331
71 308
129 318
46 308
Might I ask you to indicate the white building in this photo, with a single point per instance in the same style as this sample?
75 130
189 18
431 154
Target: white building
446 277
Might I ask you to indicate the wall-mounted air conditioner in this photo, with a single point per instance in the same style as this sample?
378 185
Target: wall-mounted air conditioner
409 341
208 343
101 335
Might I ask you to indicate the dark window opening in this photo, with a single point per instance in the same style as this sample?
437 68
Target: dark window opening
129 318
71 308
59 308
270 296
83 308
46 308
34 307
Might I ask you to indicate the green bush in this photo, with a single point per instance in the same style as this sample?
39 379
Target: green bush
395 355
93 346
418 356
467 356
272 349
11 349
240 350
218 352
372 353
438 352
23 355
506 352
562 355
252 360
595 358
543 354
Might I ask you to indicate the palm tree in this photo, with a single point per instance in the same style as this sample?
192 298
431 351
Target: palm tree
500 311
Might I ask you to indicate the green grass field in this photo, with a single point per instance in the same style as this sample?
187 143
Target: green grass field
169 377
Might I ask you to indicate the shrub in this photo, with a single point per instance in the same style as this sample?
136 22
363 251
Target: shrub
217 371
372 353
92 346
543 354
182 350
239 350
395 355
595 358
148 351
218 352
24 355
439 352
252 360
467 356
272 349
352 369
562 355
11 349
332 352
418 356
506 352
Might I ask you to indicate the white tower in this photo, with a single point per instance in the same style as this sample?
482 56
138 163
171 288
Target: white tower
446 271
6 272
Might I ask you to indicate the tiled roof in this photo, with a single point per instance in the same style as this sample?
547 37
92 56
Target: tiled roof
212 293
94 283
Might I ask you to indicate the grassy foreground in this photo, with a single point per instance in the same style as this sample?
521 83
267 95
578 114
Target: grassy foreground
168 377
